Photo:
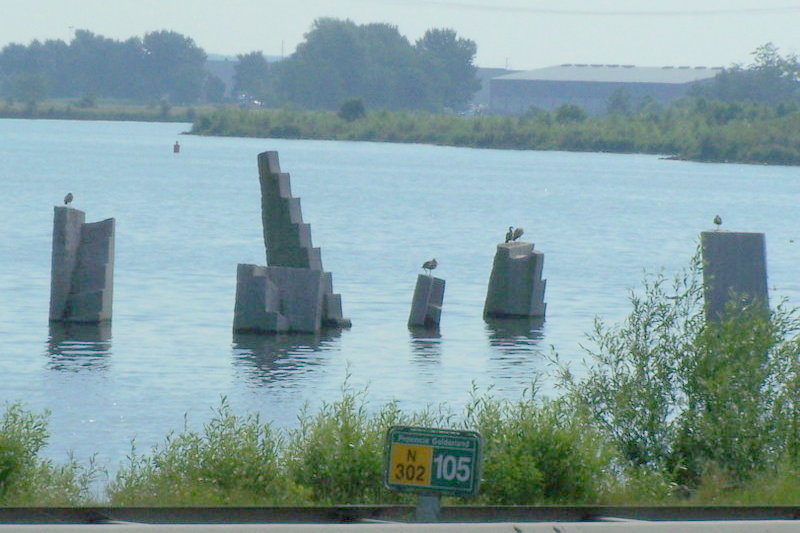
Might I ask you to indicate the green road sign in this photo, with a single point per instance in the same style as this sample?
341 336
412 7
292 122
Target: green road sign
432 460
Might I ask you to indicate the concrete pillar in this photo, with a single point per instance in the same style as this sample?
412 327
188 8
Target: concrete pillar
293 293
734 264
67 223
426 305
82 269
516 287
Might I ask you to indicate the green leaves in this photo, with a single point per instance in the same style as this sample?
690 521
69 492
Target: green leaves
690 398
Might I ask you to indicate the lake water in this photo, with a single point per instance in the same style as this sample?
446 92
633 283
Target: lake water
377 211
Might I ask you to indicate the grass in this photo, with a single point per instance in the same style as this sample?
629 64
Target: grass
689 129
70 109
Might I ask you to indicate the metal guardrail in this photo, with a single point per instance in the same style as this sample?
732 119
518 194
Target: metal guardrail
391 513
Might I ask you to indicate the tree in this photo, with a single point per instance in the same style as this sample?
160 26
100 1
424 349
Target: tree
251 75
214 89
30 88
448 62
770 79
352 110
174 66
340 61
619 103
570 113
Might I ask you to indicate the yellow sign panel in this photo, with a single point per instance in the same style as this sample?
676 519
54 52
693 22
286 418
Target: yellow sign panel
410 465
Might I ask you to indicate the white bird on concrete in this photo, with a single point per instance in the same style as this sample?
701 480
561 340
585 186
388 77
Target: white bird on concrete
718 221
517 233
510 233
430 265
68 198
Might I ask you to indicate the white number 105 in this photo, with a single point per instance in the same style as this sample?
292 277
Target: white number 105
448 468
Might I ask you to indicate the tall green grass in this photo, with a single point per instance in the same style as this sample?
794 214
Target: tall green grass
696 130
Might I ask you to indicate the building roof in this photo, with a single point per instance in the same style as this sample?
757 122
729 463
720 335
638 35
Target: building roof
615 74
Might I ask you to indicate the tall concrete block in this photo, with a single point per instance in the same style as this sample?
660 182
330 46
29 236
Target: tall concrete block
516 287
426 305
292 293
82 268
734 264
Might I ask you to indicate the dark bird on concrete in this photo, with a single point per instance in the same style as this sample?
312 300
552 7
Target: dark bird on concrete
429 265
510 233
517 233
68 198
717 221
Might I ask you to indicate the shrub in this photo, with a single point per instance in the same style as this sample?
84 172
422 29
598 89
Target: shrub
352 110
27 479
234 460
537 452
338 452
691 398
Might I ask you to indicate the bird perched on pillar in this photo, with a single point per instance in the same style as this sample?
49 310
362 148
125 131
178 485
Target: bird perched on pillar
517 233
718 221
510 233
430 265
68 198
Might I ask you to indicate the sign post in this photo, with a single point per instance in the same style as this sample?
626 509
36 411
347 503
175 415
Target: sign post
432 462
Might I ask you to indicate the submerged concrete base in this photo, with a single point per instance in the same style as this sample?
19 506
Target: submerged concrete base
734 265
426 306
516 287
82 271
285 299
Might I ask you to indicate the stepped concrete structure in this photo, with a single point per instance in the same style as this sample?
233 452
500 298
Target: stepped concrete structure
734 266
293 293
426 305
516 287
82 271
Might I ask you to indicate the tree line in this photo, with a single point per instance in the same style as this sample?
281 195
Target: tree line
337 61
340 61
162 64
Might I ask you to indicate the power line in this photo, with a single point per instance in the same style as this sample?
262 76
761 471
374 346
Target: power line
614 13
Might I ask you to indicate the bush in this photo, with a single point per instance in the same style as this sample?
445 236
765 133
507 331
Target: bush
338 453
352 110
27 479
536 452
690 398
234 460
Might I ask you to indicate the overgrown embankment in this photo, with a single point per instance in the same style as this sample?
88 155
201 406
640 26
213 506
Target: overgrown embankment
669 409
694 130
68 110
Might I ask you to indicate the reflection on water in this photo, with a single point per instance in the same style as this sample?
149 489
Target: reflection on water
74 347
282 358
426 344
515 352
515 338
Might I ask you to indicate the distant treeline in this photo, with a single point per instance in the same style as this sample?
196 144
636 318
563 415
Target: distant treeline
694 129
338 60
162 64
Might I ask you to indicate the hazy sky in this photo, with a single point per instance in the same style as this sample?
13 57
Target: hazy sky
520 34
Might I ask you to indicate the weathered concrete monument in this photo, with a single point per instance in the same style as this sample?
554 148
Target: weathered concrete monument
426 305
292 293
734 265
82 271
516 287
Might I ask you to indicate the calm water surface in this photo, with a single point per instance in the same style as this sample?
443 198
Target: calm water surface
377 211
